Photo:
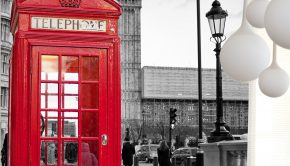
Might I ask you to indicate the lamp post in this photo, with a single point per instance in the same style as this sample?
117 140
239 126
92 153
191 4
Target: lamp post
199 153
217 18
200 121
143 125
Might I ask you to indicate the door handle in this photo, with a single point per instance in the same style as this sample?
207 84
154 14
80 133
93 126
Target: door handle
104 139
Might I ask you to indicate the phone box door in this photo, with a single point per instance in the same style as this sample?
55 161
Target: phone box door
70 110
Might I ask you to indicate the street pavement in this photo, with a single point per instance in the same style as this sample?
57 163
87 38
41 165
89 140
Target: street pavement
141 163
145 164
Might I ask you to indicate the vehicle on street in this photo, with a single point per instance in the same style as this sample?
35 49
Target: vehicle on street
240 137
147 152
179 156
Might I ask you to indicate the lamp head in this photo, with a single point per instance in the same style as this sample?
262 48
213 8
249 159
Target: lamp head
216 19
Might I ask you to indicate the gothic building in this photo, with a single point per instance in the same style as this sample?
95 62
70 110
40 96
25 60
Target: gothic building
130 33
6 44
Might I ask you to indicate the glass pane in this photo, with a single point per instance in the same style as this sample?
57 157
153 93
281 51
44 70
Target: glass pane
90 96
90 152
49 95
71 114
71 102
52 114
223 21
48 125
43 87
90 124
90 69
217 25
70 98
48 153
70 125
52 101
70 149
71 76
211 25
52 128
70 128
52 88
70 68
49 88
49 101
71 88
42 124
43 103
49 67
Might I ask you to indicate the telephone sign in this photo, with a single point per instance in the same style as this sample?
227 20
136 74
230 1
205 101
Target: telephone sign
68 24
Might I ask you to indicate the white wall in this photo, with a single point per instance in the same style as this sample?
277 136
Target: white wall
269 120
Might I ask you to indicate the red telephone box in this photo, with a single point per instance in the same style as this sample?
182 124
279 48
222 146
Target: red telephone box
65 83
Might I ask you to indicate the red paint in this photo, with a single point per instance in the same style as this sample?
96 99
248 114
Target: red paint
93 56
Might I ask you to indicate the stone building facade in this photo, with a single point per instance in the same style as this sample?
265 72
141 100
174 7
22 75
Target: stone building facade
172 87
130 33
6 44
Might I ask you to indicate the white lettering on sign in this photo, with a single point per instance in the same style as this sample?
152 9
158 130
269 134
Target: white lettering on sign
68 24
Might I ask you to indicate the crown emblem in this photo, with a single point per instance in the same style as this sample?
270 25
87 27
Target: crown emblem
70 3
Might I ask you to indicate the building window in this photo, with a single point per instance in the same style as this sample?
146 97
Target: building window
5 6
5 30
191 117
5 63
4 97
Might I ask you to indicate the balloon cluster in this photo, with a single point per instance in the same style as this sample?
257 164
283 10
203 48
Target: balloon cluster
245 56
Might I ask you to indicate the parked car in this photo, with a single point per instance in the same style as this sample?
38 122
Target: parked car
180 155
241 137
147 152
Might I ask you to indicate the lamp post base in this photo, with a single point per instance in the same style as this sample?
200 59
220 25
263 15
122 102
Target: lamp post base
219 134
218 138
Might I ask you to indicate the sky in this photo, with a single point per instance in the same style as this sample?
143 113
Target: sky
169 36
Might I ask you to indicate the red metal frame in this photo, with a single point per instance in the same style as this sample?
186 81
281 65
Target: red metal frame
25 91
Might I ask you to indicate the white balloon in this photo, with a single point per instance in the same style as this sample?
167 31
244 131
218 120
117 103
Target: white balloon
256 12
244 56
277 22
274 81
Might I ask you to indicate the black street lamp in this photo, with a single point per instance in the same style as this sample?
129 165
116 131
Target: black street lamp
143 125
217 18
199 73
